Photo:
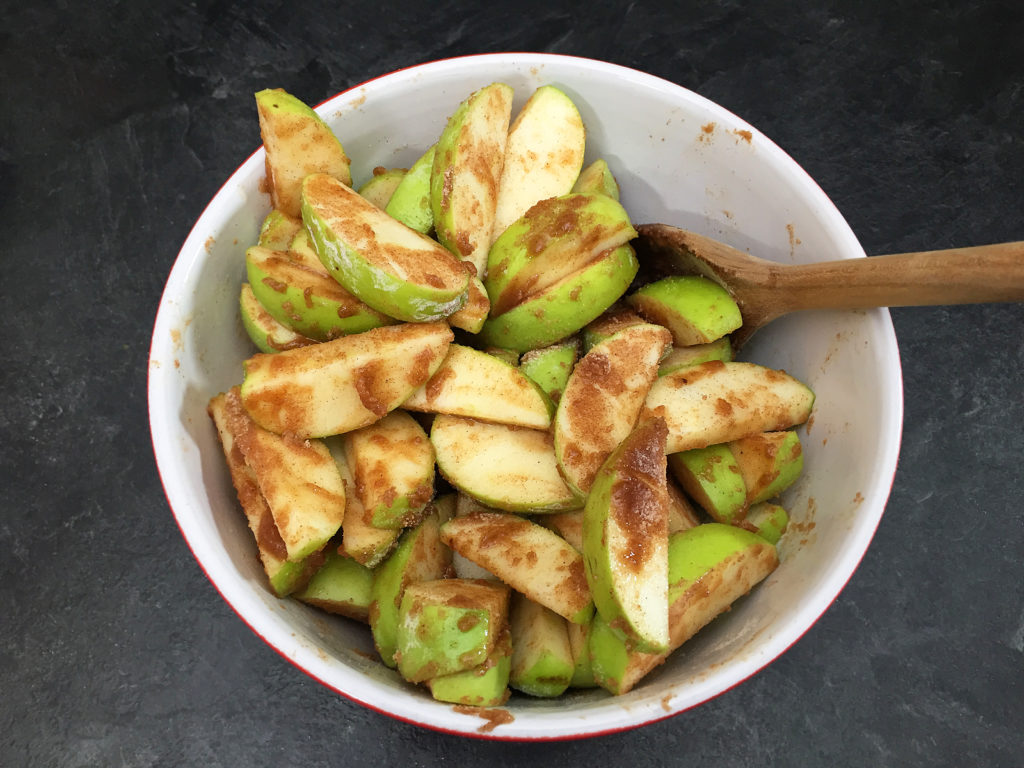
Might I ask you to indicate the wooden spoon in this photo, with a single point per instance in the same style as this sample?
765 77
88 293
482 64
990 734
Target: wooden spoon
765 290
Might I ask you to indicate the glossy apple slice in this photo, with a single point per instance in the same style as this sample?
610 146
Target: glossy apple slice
542 662
410 202
394 269
266 333
695 309
298 142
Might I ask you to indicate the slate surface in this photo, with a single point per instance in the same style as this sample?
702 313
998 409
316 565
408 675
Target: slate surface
120 121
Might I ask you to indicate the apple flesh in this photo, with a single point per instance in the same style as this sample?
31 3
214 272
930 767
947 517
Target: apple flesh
625 539
394 269
717 402
298 142
381 187
468 161
277 230
603 398
684 357
543 155
360 539
710 567
769 463
343 384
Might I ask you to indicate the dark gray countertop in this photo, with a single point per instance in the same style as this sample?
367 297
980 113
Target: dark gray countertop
120 121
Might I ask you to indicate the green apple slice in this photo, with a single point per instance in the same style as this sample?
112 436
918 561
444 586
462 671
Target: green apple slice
531 559
410 203
769 463
712 478
597 178
710 567
550 367
579 644
613 320
448 626
603 398
302 252
310 303
473 314
284 577
767 520
684 357
542 663
553 239
464 567
419 556
717 402
392 268
382 185
477 385
266 333
464 179
697 310
543 155
298 479
565 307
341 586
278 229
483 686
298 142
509 468
360 539
625 538
392 463
568 525
681 513
343 384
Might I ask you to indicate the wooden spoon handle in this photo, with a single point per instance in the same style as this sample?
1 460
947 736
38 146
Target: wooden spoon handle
981 274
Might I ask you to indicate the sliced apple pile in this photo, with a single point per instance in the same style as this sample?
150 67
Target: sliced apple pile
464 429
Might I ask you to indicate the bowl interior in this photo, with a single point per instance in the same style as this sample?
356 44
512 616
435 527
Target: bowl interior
679 159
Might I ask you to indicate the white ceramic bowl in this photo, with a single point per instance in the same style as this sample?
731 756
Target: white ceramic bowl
680 159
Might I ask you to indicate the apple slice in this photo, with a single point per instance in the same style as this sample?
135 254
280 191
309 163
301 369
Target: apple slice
712 478
381 187
360 539
550 367
543 155
597 178
603 398
341 586
410 202
448 626
568 525
509 468
266 333
769 463
284 577
681 513
483 686
528 557
467 169
310 303
697 310
553 239
473 314
394 269
419 556
684 357
767 520
615 319
716 402
710 567
277 230
625 538
392 463
343 384
542 663
298 142
301 251
298 479
464 567
579 643
480 386
563 308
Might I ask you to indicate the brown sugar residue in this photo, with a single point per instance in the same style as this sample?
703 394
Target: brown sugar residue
746 136
706 132
794 241
858 499
666 703
492 715
210 242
